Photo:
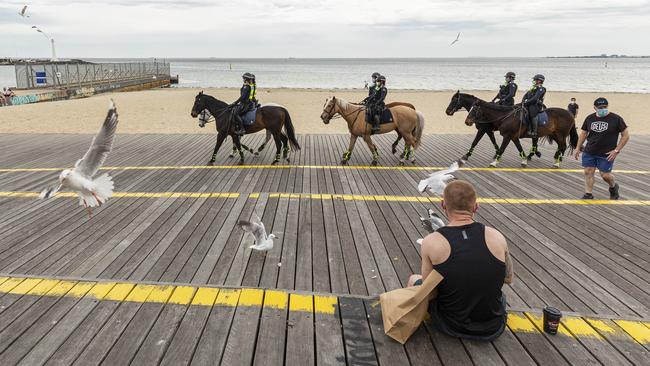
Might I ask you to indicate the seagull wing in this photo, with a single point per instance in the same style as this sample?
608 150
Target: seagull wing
256 228
49 192
22 12
100 147
438 179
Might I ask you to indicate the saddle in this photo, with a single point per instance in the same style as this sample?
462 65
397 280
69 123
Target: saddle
541 118
384 117
249 117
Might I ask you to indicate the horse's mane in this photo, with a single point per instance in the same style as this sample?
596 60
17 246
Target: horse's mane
497 107
219 103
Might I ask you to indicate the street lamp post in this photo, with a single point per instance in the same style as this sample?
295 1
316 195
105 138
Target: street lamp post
50 39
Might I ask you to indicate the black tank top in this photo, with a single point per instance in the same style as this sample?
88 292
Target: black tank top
469 296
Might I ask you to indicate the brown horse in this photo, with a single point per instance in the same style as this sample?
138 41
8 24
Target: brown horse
270 117
507 120
408 123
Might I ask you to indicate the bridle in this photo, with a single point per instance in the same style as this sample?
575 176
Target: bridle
341 115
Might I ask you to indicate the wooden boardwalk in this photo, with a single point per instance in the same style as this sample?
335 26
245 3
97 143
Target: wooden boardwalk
345 234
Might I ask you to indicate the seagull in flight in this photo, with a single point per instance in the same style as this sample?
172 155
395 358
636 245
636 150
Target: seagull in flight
22 12
263 242
456 40
92 192
437 181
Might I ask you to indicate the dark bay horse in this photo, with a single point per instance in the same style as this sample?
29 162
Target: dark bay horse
461 100
560 125
205 117
270 117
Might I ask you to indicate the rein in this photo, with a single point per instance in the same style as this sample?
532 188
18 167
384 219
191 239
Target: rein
494 120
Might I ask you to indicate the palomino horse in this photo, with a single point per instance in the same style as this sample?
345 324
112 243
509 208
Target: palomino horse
270 117
461 100
560 125
408 123
205 117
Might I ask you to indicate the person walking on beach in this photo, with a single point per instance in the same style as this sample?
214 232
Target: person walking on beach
573 108
376 104
533 101
246 102
7 93
507 91
600 131
475 263
371 88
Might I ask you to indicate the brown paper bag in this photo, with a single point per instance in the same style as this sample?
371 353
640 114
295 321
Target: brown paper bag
404 309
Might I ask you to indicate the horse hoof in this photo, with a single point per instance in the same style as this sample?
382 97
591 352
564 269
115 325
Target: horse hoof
464 157
556 166
231 155
413 161
524 163
344 162
401 163
394 150
538 154
210 163
493 164
241 162
275 162
288 160
374 163
256 153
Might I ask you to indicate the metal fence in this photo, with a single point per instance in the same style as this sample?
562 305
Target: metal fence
61 74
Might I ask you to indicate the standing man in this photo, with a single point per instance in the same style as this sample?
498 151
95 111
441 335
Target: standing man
507 91
534 102
573 108
475 263
601 130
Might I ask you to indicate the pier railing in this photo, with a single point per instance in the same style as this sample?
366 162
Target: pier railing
66 75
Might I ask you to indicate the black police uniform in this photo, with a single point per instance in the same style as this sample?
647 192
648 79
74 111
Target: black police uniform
534 101
245 103
376 106
506 95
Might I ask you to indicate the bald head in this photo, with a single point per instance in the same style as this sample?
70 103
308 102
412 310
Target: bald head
460 196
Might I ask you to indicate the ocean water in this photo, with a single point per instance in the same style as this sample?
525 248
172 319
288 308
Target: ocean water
562 74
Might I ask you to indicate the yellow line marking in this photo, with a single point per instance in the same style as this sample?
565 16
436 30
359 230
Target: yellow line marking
325 304
182 295
571 326
345 197
637 330
228 297
332 167
276 299
298 302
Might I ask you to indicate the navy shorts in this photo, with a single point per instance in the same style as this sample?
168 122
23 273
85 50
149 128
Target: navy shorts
596 161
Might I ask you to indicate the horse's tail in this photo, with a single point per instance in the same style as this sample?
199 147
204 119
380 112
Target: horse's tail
291 133
419 128
573 138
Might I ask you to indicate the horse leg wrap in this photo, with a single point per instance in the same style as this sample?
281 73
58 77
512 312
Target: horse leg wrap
496 147
277 157
375 155
285 151
214 157
523 155
497 158
346 155
470 152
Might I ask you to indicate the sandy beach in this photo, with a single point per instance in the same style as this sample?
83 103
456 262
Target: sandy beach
168 110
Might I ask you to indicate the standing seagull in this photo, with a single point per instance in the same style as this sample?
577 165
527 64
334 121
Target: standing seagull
256 228
437 181
456 40
92 192
22 12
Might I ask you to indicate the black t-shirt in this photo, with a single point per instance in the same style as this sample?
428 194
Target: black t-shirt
573 108
603 133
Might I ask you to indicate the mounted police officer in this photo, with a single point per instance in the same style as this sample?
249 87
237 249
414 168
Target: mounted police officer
507 91
376 104
533 101
246 102
371 88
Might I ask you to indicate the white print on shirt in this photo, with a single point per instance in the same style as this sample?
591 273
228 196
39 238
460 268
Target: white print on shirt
599 126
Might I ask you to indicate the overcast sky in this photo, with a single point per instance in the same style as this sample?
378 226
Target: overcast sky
332 28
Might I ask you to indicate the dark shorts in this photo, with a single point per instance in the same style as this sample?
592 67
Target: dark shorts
444 328
596 161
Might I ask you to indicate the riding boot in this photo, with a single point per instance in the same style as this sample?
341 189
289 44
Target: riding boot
240 126
375 125
532 129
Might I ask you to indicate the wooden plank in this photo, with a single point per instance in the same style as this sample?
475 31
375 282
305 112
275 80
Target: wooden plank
389 351
271 336
300 330
215 333
240 346
328 332
359 348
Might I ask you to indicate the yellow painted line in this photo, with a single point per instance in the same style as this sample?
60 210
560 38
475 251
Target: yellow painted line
636 330
331 167
520 323
325 304
182 295
345 197
205 296
228 297
276 299
251 297
579 327
298 302
571 326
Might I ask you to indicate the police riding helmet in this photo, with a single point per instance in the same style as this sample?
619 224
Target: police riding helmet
248 76
539 77
381 78
375 75
511 75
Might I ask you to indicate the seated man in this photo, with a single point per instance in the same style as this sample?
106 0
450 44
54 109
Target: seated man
475 263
